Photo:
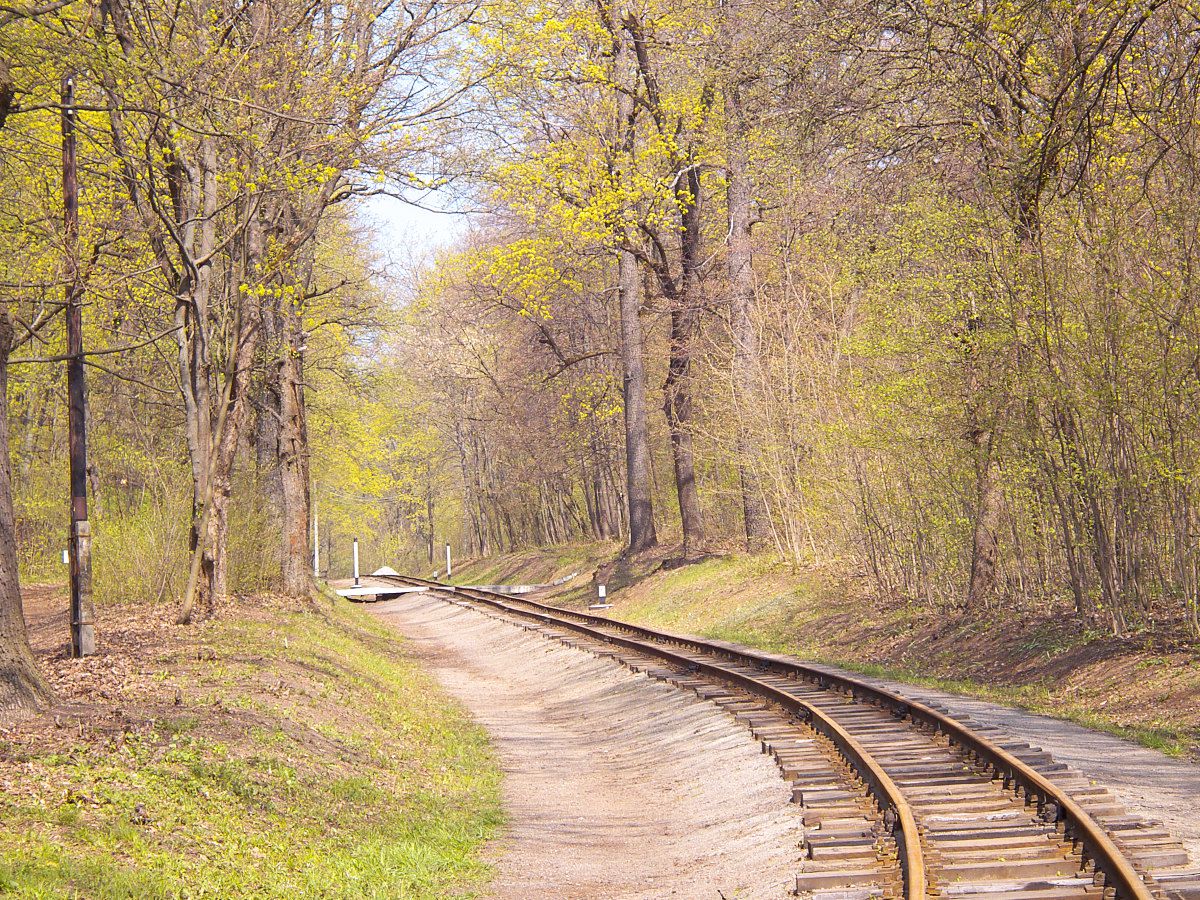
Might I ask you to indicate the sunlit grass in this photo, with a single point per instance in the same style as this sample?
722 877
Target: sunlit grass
393 802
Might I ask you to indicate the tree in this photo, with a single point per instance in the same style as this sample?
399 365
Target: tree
642 534
21 684
736 24
1041 87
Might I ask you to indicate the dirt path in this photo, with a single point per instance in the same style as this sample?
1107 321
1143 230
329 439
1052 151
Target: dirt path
616 786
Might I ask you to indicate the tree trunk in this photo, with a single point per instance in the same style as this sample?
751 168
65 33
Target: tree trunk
981 432
293 456
197 414
637 436
755 518
195 370
642 534
227 444
677 403
21 685
218 541
1067 530
8 90
429 508
267 426
591 496
985 546
208 581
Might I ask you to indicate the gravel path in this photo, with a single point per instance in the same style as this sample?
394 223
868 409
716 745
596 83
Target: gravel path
616 786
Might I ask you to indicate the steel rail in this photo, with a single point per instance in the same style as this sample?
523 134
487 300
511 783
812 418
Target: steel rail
882 788
1017 775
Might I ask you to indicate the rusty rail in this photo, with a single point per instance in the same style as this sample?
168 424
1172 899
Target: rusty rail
1097 846
879 784
885 791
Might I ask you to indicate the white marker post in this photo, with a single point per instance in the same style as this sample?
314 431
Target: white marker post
449 571
316 543
66 557
601 598
356 562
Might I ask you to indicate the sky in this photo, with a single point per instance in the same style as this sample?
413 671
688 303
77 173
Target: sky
407 236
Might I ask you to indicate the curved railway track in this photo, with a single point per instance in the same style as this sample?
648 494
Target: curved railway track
899 798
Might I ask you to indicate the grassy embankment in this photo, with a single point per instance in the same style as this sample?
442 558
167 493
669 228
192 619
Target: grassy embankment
537 566
270 752
1146 688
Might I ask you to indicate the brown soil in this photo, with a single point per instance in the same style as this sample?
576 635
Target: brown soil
1017 647
118 690
616 785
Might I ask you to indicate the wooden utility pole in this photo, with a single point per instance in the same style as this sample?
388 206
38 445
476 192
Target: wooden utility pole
83 634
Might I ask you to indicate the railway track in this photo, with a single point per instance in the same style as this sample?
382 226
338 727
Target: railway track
899 799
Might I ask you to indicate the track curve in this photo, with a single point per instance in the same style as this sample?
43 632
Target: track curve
986 829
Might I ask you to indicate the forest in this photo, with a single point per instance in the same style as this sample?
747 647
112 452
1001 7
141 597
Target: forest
900 289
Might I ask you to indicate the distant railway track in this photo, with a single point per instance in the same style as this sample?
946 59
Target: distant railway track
899 798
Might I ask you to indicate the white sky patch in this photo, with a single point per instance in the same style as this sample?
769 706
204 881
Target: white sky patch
407 236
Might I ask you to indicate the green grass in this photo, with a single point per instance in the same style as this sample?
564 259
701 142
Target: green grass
362 780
